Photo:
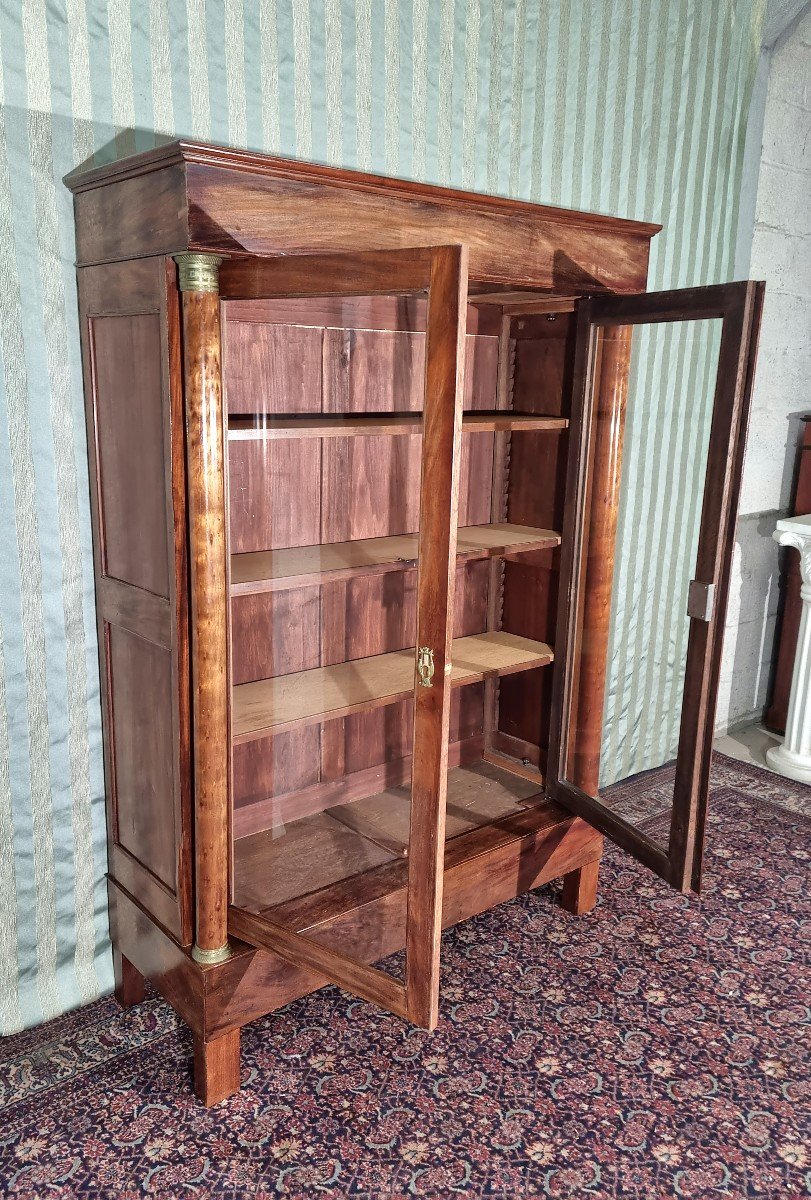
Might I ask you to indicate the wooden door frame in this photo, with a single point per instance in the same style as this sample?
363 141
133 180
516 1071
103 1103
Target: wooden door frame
738 306
441 272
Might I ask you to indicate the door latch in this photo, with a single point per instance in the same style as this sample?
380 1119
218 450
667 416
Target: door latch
425 666
700 600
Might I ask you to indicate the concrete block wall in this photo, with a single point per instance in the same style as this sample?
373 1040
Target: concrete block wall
781 254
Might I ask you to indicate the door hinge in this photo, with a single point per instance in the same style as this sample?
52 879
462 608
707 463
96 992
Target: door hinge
700 600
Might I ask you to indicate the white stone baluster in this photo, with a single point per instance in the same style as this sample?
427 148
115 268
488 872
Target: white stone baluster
793 757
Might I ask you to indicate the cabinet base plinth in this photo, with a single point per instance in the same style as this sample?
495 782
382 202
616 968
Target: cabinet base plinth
216 1000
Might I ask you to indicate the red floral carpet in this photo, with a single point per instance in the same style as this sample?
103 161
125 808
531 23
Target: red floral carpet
657 1048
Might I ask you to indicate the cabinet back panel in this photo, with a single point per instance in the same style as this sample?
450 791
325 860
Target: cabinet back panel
274 494
275 633
276 766
369 486
279 633
272 368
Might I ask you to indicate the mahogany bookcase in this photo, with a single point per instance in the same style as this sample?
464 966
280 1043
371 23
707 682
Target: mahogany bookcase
356 469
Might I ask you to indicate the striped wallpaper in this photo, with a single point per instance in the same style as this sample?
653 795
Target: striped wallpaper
634 107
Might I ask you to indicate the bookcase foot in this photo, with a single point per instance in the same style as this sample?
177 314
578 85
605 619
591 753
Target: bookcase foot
129 982
580 888
216 1068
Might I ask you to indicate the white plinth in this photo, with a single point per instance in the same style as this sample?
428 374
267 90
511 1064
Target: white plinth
793 757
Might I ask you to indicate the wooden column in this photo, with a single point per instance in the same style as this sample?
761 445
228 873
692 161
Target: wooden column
611 382
205 464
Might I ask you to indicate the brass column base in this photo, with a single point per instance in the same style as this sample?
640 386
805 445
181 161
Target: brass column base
211 956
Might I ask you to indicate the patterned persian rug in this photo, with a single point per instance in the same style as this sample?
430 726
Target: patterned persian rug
657 1048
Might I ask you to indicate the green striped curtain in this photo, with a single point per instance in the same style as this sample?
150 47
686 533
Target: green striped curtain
632 107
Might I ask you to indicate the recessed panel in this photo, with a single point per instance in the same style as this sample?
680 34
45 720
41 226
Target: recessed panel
141 703
130 433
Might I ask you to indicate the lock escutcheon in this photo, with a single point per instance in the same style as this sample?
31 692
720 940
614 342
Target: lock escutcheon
425 666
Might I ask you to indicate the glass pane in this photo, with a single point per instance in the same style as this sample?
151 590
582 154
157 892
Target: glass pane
324 538
626 711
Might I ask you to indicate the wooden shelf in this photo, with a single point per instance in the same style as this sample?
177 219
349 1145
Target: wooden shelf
306 697
260 426
510 422
279 570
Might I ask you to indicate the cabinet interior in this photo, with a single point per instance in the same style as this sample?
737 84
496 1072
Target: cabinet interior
324 402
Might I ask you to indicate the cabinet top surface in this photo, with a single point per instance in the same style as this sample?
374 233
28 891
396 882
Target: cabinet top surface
184 153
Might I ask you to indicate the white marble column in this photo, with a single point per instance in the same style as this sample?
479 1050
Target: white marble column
793 757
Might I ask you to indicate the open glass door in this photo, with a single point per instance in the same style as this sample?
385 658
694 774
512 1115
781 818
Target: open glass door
344 468
662 390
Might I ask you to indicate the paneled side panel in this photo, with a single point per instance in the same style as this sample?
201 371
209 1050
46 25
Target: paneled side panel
127 352
140 715
130 329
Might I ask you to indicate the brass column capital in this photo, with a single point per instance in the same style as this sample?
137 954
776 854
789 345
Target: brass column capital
198 272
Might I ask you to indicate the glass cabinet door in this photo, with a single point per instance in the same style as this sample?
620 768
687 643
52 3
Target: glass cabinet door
662 391
343 488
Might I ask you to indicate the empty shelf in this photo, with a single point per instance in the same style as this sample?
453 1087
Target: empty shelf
256 427
277 570
306 697
510 422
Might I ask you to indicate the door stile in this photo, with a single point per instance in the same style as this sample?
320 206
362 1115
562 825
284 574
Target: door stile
733 401
436 577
